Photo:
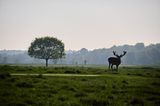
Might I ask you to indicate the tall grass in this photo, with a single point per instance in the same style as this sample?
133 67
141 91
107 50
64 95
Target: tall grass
127 87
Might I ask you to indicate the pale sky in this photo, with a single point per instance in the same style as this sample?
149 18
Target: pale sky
79 24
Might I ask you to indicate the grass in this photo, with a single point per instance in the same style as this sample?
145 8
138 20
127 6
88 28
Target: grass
130 86
63 69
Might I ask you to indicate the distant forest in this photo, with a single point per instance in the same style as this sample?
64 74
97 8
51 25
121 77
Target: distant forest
137 54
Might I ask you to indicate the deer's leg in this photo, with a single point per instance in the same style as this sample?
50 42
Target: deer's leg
112 66
109 65
117 67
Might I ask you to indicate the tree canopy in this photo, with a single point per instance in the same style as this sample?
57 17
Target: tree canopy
46 48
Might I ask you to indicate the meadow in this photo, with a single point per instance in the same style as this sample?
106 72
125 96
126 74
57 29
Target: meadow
130 86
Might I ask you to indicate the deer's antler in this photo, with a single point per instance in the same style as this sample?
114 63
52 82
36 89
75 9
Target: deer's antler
114 52
124 52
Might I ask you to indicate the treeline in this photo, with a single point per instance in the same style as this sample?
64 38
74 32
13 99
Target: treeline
137 54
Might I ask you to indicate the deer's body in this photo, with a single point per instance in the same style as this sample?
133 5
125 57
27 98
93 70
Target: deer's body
115 60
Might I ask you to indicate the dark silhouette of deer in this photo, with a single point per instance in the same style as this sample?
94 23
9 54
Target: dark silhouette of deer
115 60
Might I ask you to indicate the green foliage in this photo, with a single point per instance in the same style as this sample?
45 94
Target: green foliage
46 48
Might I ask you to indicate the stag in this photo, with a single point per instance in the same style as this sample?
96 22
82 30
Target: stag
115 60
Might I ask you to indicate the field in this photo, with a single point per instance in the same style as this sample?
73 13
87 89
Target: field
130 86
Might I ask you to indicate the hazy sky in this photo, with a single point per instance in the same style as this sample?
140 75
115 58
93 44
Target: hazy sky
79 23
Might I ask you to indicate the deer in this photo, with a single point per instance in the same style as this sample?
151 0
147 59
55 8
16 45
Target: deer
115 60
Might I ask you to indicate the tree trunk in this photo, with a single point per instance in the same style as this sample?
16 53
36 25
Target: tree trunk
46 62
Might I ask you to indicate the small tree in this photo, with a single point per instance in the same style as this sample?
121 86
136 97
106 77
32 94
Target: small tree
46 48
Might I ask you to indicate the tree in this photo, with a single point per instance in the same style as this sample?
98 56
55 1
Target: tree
46 48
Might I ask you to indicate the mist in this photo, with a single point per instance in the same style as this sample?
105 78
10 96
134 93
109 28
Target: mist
137 54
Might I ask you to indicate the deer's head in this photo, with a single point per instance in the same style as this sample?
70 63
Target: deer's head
119 56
